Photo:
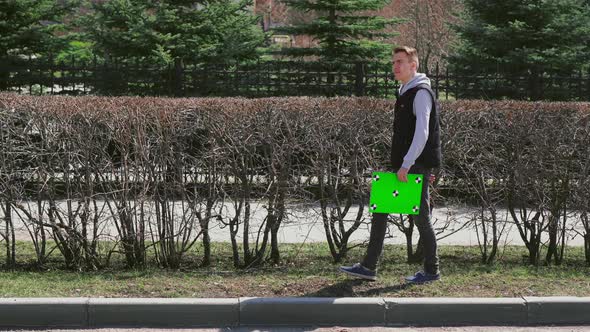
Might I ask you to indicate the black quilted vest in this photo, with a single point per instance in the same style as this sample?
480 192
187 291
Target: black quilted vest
404 126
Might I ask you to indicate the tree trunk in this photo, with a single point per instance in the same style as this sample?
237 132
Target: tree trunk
10 237
206 248
246 241
234 248
408 232
4 72
274 246
418 255
552 248
495 239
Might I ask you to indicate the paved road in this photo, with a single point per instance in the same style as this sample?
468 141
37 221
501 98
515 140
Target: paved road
349 329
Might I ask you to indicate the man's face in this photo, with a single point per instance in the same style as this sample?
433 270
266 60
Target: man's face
403 68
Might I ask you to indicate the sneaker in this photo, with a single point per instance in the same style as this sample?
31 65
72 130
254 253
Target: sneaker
422 277
359 271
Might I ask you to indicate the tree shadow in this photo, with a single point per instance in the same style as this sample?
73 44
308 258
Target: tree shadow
346 288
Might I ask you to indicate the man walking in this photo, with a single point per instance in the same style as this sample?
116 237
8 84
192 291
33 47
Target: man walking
415 149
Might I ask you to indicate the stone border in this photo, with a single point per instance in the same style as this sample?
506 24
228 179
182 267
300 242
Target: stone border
456 311
290 311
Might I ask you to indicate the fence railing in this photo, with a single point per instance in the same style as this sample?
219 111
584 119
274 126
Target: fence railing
273 78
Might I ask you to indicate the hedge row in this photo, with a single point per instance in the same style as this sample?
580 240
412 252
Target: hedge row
71 166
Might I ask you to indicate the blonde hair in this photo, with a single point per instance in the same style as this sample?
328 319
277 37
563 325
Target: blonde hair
411 52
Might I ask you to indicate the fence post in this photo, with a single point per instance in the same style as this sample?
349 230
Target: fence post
534 85
104 76
579 90
359 86
178 78
4 73
30 72
437 84
50 63
447 83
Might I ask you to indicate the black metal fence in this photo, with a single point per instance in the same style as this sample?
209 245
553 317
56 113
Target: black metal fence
273 78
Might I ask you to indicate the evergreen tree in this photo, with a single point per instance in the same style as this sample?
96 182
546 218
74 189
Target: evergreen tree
344 34
523 37
119 28
31 27
175 31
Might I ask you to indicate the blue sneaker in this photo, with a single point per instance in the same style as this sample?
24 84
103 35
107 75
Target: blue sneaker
359 271
422 277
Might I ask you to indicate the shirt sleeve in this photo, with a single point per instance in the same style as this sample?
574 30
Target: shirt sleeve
422 108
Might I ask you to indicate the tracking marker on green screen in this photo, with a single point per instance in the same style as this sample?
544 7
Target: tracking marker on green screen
389 195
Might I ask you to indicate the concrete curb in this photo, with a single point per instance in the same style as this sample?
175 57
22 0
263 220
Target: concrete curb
456 311
312 311
558 310
163 312
41 312
304 311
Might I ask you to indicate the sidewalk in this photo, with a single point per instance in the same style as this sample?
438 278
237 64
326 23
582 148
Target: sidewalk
305 311
306 226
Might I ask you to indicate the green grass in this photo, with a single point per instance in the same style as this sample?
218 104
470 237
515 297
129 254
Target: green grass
305 270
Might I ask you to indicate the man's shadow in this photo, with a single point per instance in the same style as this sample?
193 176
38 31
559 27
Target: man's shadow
345 288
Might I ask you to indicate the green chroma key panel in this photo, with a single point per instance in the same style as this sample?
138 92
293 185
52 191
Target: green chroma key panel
389 195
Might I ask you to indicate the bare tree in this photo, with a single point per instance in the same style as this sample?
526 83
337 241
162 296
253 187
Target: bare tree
205 168
428 28
164 159
124 186
277 152
235 144
581 181
7 182
341 158
481 164
538 180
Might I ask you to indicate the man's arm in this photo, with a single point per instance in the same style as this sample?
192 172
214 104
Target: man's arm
422 108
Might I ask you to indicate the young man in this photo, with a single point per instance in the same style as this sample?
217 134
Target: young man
415 149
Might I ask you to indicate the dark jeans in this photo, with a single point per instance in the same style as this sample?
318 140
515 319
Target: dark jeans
422 222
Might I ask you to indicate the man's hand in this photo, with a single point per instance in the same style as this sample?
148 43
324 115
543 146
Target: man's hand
402 174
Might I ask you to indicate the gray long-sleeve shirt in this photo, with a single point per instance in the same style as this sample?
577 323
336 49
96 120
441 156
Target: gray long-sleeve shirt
422 108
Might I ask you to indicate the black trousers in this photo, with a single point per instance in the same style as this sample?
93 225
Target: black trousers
422 222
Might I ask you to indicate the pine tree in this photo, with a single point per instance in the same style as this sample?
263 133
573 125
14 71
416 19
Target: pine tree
28 27
173 31
523 37
343 32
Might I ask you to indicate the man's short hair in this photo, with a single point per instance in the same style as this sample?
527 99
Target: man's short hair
411 52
